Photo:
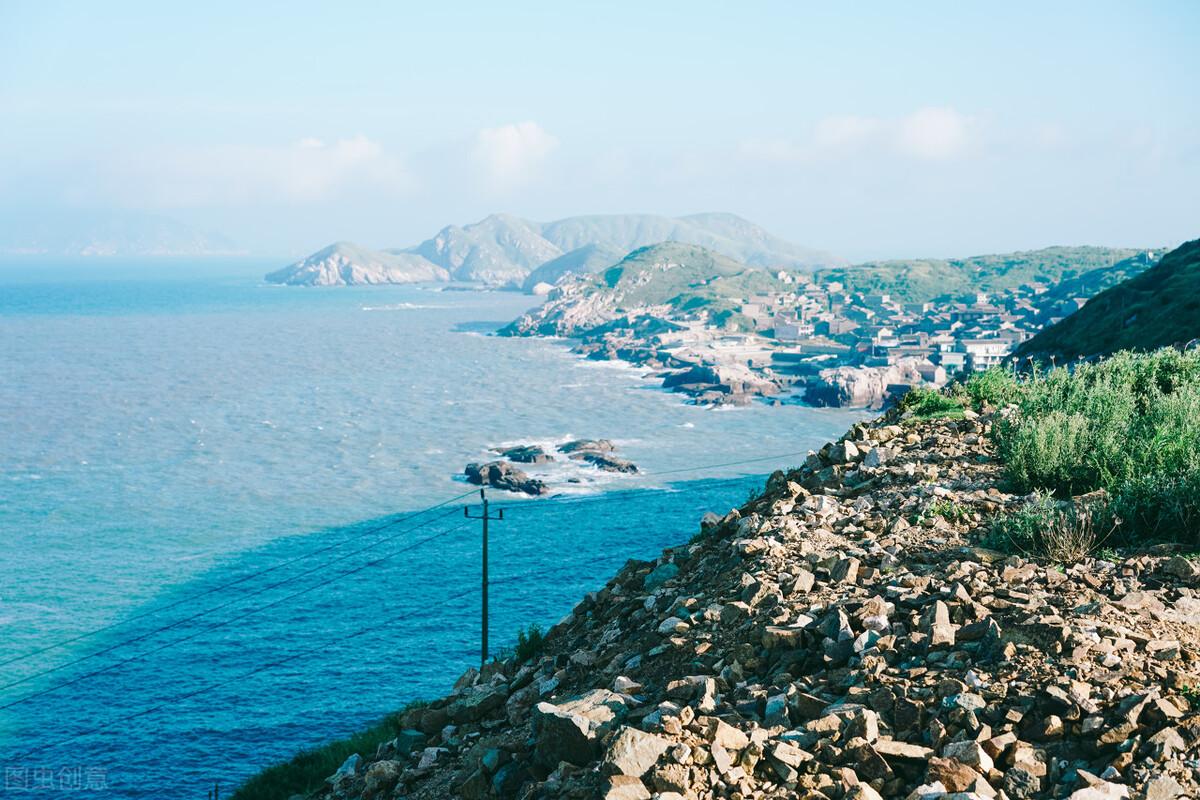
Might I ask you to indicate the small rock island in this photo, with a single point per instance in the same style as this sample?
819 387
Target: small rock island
503 473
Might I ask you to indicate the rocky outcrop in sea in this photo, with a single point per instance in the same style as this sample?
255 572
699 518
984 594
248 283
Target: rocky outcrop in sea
839 637
503 474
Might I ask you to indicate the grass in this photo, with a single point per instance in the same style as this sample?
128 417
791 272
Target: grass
1128 425
994 388
530 642
306 772
1050 529
927 404
949 511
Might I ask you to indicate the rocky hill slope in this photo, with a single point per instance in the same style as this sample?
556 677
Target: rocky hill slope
839 637
1156 308
346 264
502 250
584 260
639 286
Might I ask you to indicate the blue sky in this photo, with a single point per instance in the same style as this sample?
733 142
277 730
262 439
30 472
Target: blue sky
868 129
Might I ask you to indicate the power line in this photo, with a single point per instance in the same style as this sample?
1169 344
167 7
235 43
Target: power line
608 496
728 463
206 612
223 623
556 502
250 673
235 582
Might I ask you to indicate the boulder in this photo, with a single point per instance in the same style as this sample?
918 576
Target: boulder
606 461
633 752
526 454
503 475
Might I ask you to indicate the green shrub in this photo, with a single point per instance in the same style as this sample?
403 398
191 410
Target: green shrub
1159 508
1050 529
1129 424
996 387
948 510
926 403
529 643
306 772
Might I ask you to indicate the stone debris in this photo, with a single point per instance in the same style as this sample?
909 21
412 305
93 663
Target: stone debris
840 637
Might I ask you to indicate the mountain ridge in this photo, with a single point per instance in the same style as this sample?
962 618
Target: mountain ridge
503 249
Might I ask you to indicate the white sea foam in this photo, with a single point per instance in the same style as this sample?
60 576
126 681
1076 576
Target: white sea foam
402 307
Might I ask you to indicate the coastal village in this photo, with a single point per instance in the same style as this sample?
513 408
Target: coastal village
833 346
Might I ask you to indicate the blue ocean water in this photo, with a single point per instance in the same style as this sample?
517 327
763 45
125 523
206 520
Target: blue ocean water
170 430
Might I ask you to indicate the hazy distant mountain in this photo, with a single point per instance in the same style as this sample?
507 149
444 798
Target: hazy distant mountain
345 264
106 233
502 250
580 261
727 234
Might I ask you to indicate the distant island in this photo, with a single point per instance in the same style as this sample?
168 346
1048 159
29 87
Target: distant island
108 234
506 251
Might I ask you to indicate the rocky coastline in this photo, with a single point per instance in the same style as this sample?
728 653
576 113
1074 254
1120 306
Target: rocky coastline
841 636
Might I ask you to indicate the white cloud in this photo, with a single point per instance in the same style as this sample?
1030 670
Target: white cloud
511 154
306 171
846 131
934 134
925 134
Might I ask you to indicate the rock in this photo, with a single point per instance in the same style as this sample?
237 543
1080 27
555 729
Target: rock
348 769
1180 567
1020 784
606 462
563 736
382 776
660 575
862 791
1163 787
970 753
526 454
723 734
845 571
625 787
862 387
890 748
587 446
1101 791
633 752
509 779
952 773
503 475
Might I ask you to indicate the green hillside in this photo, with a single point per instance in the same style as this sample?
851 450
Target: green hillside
922 280
682 274
1157 308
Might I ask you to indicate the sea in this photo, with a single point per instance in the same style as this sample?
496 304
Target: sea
233 522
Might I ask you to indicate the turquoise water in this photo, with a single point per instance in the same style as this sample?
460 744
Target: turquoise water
167 429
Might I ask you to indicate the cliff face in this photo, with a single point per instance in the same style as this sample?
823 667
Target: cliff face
865 387
838 637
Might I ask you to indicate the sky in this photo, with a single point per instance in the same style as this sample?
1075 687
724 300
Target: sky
867 129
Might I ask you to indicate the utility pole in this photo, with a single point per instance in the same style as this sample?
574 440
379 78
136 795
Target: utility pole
484 516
